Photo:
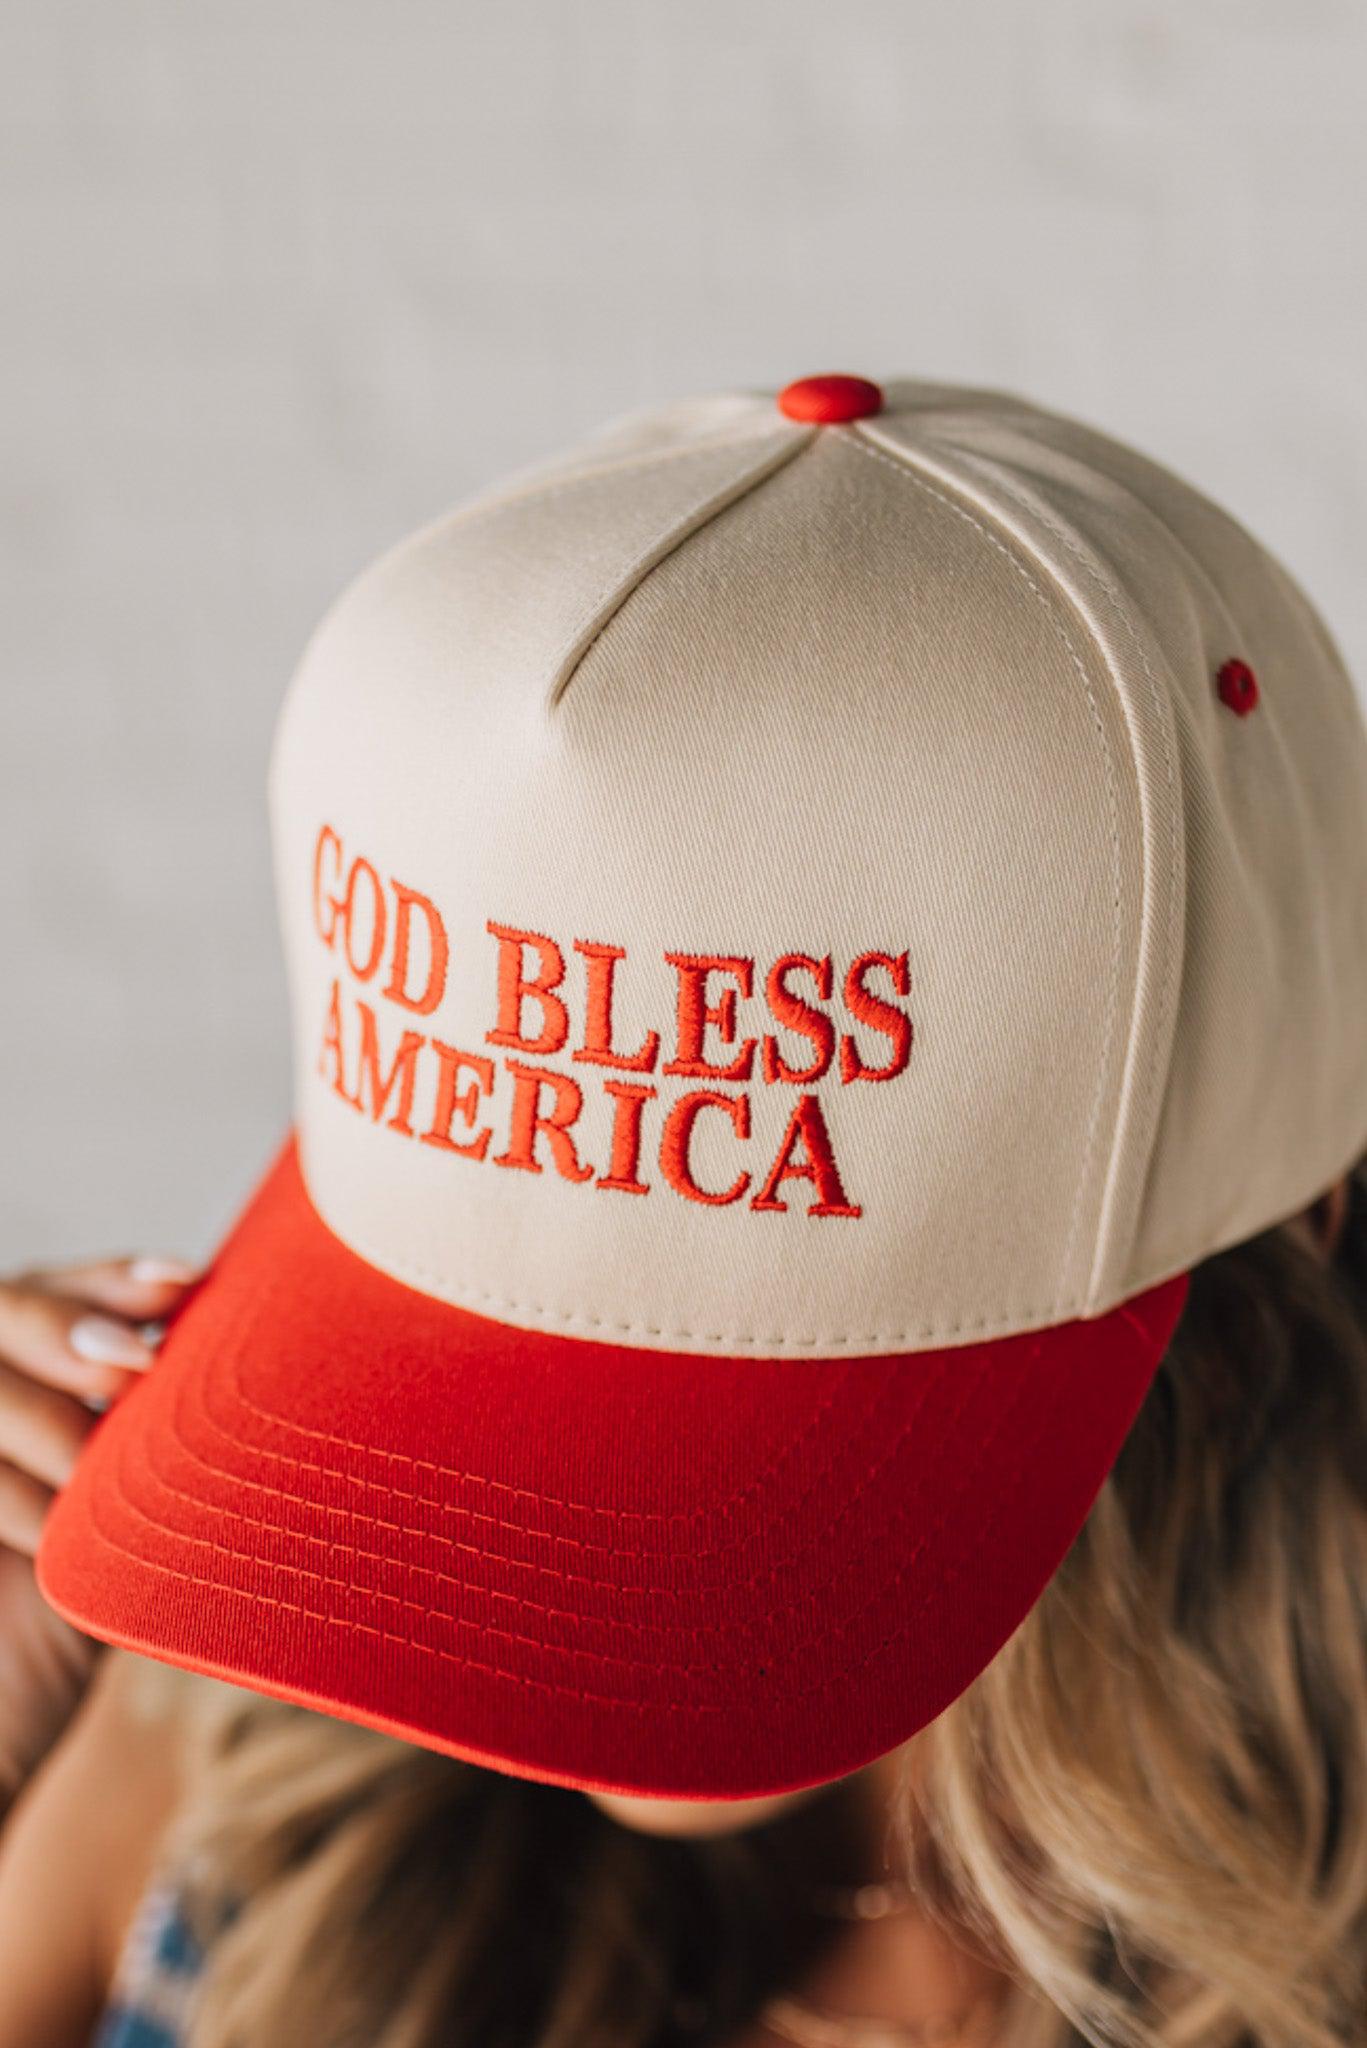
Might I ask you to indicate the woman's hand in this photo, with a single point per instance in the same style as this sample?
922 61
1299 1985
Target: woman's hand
72 1340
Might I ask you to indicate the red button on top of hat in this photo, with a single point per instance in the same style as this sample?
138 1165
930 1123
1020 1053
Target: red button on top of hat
830 401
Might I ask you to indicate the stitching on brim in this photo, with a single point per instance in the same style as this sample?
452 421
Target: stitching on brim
984 1529
616 1516
807 1594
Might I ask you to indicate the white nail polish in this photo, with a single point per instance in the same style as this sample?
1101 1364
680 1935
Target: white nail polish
105 1342
153 1272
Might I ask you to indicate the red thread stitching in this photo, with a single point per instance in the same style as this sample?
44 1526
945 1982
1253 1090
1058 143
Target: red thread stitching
793 1014
425 1572
721 1512
695 1014
789 1650
890 1447
526 1120
984 1529
513 988
405 900
879 1015
439 1471
326 932
678 1130
332 1043
809 1125
377 935
403 1070
631 1098
597 1047
449 1105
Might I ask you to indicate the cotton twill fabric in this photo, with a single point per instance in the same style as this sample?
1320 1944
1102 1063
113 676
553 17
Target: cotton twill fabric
944 681
650 1572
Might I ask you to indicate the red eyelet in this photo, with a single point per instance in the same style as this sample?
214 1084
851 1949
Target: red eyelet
1238 687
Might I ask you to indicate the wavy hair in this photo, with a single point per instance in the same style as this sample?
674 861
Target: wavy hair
1149 1811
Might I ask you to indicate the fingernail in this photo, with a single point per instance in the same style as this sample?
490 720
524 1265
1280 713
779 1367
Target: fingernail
153 1272
114 1383
105 1342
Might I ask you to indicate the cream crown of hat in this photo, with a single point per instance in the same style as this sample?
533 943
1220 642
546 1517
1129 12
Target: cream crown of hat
759 886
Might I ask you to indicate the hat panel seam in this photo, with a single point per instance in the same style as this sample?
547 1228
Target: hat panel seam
1015 1322
608 600
1110 589
863 439
493 499
483 503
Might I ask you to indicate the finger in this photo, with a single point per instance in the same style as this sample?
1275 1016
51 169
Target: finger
143 1289
24 1502
41 1430
63 1344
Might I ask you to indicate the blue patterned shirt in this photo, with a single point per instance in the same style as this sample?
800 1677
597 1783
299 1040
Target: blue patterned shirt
157 1976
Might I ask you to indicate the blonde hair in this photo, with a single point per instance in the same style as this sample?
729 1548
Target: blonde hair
1150 1810
1153 1803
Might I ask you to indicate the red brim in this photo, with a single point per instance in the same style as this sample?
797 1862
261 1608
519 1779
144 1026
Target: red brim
614 1569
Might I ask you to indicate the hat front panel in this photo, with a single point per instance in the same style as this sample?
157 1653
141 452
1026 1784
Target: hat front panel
757 932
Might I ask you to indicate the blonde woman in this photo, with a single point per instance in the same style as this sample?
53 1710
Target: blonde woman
782 1454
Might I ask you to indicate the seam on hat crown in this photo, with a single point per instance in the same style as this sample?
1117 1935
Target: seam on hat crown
600 609
552 480
1138 1095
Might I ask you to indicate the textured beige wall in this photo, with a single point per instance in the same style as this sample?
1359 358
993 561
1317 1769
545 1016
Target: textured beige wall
278 281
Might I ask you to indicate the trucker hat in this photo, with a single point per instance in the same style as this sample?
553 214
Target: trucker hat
805 920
